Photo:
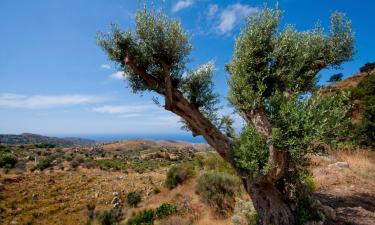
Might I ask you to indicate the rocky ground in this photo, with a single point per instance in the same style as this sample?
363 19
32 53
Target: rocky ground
60 194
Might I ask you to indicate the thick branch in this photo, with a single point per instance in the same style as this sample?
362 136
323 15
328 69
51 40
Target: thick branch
167 86
148 79
277 158
189 112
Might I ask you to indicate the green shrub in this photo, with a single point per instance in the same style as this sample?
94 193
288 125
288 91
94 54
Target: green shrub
365 129
165 209
218 190
145 217
133 198
8 160
44 164
76 161
178 174
110 217
367 68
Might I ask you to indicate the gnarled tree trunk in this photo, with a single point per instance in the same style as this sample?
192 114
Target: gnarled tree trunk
269 203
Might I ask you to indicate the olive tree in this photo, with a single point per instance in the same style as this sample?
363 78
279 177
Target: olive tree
272 84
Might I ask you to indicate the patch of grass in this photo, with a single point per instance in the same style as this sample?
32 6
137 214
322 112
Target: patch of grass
114 164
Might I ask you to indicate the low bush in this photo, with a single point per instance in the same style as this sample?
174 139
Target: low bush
244 213
218 190
165 210
8 160
44 164
76 161
110 217
145 217
178 174
133 199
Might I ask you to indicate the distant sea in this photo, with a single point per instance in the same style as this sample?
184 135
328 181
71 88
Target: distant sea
117 137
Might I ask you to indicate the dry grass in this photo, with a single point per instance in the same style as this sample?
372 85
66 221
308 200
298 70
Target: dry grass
360 175
360 161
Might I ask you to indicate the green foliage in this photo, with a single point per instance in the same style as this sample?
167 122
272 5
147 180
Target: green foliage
251 152
267 60
165 210
7 160
110 217
133 199
365 129
198 88
178 174
219 191
306 212
367 68
308 180
145 217
301 125
335 77
44 164
111 164
156 40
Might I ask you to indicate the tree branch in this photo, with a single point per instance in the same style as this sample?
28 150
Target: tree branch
148 79
167 86
199 124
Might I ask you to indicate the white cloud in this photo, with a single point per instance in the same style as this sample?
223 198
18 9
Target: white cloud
123 109
8 100
230 16
182 4
119 75
212 10
105 66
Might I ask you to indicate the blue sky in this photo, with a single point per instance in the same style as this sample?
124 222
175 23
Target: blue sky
55 80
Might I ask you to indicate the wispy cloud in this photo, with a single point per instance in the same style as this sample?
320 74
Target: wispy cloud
9 100
124 109
182 4
119 75
232 14
212 10
105 66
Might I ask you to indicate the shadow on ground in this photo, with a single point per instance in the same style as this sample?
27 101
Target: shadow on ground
357 209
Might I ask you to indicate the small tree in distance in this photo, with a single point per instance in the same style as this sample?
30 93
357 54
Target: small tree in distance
270 73
335 77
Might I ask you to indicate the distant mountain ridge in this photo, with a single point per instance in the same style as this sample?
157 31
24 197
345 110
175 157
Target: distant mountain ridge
28 138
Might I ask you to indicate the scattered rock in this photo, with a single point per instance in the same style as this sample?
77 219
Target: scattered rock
329 212
340 165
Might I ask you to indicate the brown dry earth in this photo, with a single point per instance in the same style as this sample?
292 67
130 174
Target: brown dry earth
60 197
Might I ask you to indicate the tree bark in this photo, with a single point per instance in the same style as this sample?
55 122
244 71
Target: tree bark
268 202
